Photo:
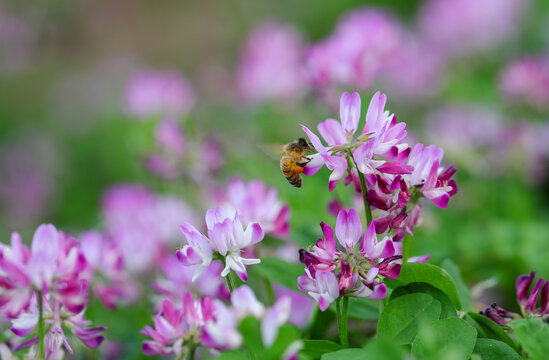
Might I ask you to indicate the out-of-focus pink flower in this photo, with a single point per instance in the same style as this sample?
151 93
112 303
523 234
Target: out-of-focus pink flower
357 50
106 274
471 135
270 67
171 147
255 202
245 303
56 318
53 265
226 238
152 93
178 279
302 305
527 81
331 272
457 27
142 224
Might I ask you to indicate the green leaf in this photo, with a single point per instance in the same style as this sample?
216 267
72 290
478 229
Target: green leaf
532 334
287 334
451 339
488 329
346 354
314 349
490 349
447 307
462 288
381 349
430 274
250 329
401 318
235 355
280 271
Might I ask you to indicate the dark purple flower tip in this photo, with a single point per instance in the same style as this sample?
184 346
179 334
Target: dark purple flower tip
523 285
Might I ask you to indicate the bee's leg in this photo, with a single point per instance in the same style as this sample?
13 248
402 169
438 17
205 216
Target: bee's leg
304 161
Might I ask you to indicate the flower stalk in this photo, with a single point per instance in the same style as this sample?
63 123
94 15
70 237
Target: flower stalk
364 190
41 326
342 317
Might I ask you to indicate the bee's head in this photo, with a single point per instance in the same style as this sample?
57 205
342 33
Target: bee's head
304 144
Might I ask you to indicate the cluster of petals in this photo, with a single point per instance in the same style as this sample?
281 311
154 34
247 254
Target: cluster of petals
57 318
331 272
181 326
53 265
258 203
226 238
152 93
528 297
171 148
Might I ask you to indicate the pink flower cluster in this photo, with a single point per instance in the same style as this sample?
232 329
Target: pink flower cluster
52 272
225 241
527 298
396 176
332 272
180 328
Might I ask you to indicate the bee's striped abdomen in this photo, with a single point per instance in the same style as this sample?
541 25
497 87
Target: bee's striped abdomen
291 171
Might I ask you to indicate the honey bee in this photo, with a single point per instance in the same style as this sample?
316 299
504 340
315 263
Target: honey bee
294 161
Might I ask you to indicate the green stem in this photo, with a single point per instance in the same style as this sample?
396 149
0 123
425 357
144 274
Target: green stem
269 289
405 248
230 282
41 326
342 319
191 353
364 190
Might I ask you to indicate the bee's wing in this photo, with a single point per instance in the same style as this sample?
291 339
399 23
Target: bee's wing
274 151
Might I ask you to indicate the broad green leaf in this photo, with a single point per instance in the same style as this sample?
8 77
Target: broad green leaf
250 329
280 271
462 288
346 354
430 274
490 349
447 307
401 318
314 349
287 334
380 349
451 339
532 334
487 328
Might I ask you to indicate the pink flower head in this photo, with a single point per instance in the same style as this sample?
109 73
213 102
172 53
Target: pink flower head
528 302
158 93
53 264
436 183
331 272
226 239
270 67
379 141
171 148
56 318
255 202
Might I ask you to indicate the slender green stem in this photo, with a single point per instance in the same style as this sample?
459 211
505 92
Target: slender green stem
364 190
269 289
230 281
191 353
342 319
405 248
41 326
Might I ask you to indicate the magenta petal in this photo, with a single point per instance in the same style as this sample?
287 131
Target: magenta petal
380 292
523 285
